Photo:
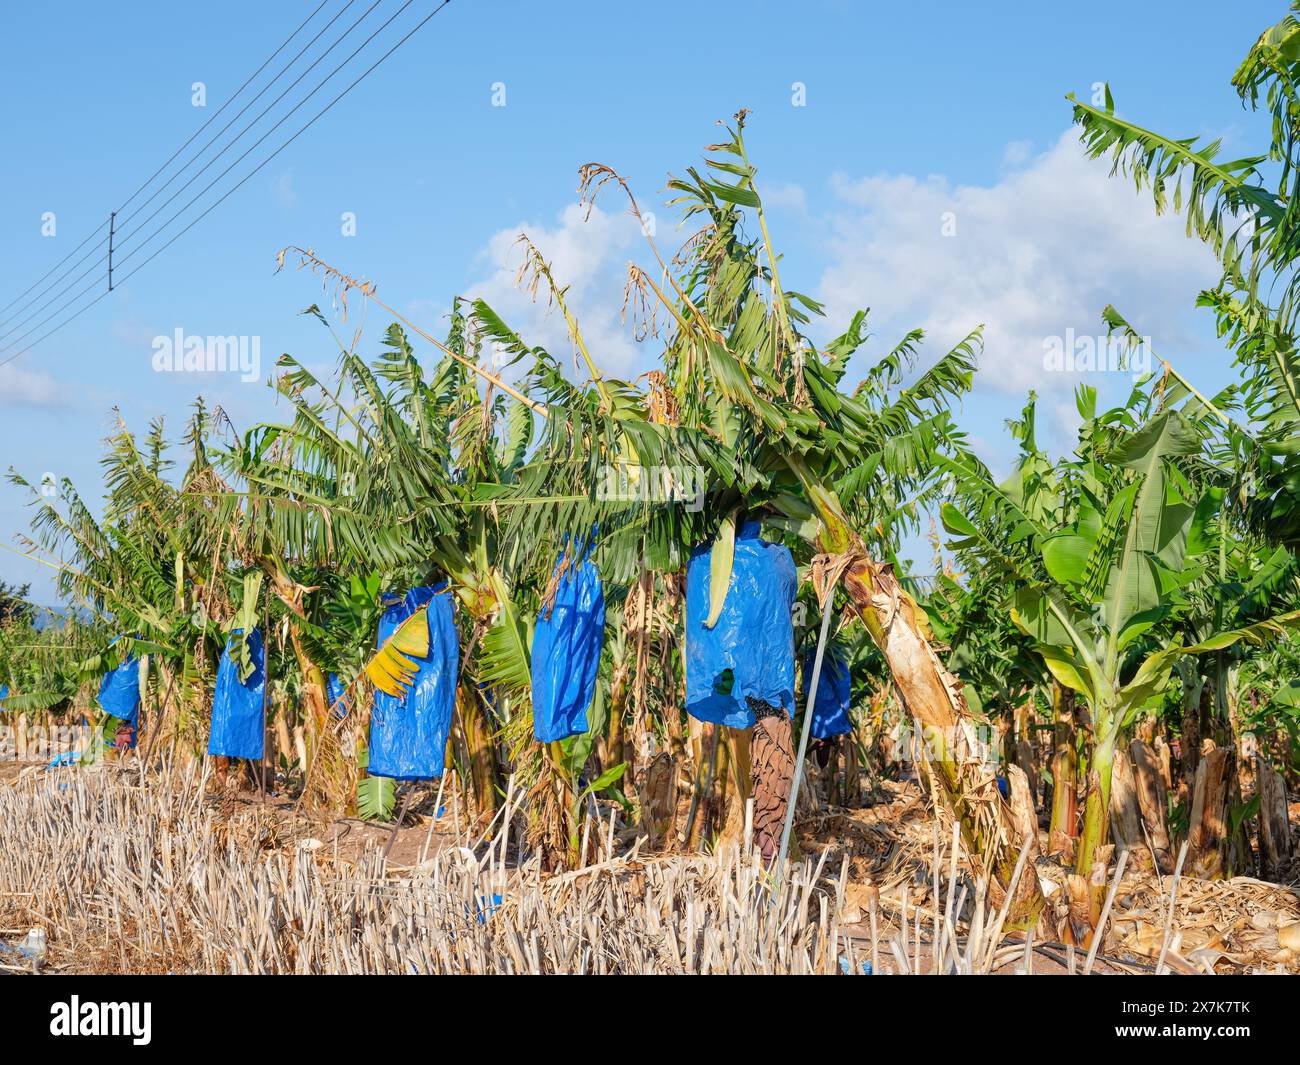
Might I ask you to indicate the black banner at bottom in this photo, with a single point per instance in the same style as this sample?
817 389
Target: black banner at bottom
147 1013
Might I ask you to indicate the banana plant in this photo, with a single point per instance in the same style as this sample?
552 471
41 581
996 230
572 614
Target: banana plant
1270 705
1090 590
1244 210
156 564
767 418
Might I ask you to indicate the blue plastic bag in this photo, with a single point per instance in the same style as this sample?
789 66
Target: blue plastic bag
119 690
566 654
831 711
408 735
4 694
119 696
238 725
749 653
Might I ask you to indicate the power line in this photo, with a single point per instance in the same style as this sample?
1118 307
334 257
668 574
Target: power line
214 181
245 108
71 317
137 192
104 258
57 310
239 136
58 295
5 338
361 77
234 96
199 195
53 268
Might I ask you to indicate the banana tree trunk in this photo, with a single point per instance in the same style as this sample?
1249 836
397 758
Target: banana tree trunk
1209 831
1153 803
740 784
657 791
934 696
1096 807
1190 741
330 783
315 700
717 797
1064 826
703 750
616 749
1125 814
772 770
1274 822
851 792
480 756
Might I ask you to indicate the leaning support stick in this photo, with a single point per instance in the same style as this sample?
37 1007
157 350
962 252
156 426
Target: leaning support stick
266 685
397 823
827 610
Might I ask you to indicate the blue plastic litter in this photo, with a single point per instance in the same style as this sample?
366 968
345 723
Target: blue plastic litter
845 968
4 694
486 909
408 735
238 725
66 758
334 693
834 687
566 654
1004 787
25 950
749 653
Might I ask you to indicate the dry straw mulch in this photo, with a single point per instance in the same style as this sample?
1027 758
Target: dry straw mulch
125 875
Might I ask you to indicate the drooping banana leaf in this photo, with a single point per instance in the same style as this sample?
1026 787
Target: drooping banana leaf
391 669
721 559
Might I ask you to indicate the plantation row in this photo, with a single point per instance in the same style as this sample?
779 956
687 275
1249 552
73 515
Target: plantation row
425 565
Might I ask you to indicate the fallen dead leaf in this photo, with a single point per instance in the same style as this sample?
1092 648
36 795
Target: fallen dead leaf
1148 940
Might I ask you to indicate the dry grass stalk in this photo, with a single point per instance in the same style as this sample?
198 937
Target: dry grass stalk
127 878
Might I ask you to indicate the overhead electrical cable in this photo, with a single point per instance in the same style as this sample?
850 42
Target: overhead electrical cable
104 225
216 203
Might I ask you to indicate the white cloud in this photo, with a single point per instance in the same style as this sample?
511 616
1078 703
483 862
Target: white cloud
135 334
790 197
1041 251
589 254
282 188
21 387
1036 253
1017 153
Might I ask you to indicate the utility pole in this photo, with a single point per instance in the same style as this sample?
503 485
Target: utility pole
112 226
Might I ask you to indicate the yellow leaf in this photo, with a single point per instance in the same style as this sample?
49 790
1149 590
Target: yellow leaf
391 670
412 636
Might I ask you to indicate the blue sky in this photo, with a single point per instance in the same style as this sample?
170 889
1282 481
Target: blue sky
911 113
